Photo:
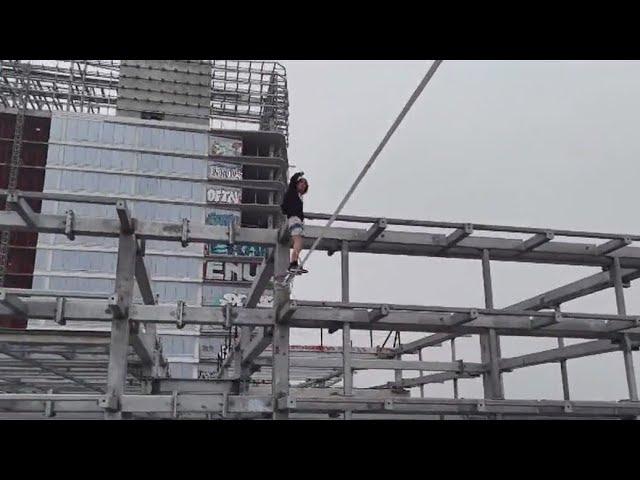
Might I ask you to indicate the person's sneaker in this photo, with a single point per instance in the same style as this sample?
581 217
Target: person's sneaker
293 267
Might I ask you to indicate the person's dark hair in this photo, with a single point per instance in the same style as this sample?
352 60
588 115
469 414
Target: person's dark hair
306 184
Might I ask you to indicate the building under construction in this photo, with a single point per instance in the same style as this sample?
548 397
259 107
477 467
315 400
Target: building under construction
141 231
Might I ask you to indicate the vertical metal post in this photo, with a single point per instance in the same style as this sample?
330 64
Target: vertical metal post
563 369
626 344
397 374
421 373
490 343
346 329
280 369
453 359
119 347
243 372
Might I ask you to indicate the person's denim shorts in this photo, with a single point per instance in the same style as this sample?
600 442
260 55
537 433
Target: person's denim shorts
296 227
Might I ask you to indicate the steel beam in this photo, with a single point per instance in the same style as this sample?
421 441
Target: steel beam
401 243
280 351
458 235
347 370
54 371
375 231
13 303
120 327
612 246
257 345
23 209
264 275
571 291
480 408
126 222
537 240
627 352
557 354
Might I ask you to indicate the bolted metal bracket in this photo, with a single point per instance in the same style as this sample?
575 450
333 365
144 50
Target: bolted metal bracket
184 239
568 407
109 402
231 232
225 404
481 406
69 223
180 315
49 411
228 315
174 403
115 306
127 224
377 314
141 247
59 318
388 404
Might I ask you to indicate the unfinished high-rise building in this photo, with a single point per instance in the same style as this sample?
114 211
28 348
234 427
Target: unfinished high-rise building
141 230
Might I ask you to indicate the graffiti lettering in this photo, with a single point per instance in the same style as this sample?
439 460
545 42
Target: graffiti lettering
204 375
224 172
222 195
239 299
222 217
241 250
230 272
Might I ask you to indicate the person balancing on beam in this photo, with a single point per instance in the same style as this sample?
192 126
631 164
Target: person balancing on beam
292 208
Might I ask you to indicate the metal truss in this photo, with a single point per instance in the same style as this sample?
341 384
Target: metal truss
251 92
264 376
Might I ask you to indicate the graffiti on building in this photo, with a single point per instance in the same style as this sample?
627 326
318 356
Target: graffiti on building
230 272
220 217
223 146
224 195
223 171
217 248
237 299
205 373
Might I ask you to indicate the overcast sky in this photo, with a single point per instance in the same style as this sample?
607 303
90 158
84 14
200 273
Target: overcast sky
529 143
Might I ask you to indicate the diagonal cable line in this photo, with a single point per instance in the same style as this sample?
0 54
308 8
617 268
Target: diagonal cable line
376 153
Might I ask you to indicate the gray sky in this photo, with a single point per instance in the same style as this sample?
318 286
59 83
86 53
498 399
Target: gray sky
529 143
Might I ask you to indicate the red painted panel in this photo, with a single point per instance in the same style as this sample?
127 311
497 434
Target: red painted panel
21 257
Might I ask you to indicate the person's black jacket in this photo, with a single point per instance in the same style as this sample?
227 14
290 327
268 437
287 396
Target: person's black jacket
292 203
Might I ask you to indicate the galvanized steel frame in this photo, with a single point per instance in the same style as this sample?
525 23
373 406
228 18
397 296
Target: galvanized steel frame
261 327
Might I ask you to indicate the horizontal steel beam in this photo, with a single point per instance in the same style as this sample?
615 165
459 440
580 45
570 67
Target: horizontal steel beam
364 364
476 226
54 371
23 209
429 319
428 379
98 227
505 323
393 243
484 407
557 296
557 354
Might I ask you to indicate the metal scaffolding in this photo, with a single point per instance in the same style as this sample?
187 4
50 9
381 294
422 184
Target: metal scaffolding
244 93
134 352
121 371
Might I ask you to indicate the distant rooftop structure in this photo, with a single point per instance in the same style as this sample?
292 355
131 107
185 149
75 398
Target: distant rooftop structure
230 94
